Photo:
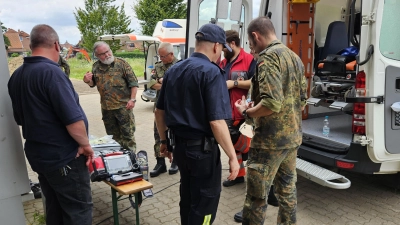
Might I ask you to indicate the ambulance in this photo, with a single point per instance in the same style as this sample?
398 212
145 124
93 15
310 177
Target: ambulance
351 53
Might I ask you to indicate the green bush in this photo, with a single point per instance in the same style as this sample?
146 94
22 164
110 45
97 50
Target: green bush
134 54
29 53
14 54
79 55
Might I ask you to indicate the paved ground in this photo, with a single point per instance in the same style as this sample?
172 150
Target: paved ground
367 201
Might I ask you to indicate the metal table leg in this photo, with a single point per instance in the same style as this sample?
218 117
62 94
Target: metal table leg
115 206
137 207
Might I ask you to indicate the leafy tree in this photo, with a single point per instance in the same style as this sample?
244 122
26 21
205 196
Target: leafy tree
6 40
149 12
100 17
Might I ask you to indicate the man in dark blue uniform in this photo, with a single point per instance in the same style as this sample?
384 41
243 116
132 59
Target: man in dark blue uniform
194 104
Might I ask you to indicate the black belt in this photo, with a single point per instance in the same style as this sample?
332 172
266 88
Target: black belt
190 142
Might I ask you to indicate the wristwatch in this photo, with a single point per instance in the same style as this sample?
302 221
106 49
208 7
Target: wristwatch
132 99
235 83
244 114
164 142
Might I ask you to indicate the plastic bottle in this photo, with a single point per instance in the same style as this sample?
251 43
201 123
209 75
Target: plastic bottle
326 129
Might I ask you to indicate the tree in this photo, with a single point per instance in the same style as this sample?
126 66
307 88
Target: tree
149 12
100 17
6 40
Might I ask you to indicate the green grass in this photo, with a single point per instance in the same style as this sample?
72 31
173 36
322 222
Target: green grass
80 66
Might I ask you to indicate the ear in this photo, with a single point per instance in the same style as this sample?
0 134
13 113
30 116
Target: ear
256 36
216 47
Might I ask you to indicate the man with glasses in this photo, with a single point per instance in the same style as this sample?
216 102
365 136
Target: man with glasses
117 85
166 53
55 128
194 104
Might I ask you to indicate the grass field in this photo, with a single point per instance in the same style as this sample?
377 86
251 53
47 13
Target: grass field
80 66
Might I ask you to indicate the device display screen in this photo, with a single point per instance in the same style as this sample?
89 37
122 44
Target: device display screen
116 164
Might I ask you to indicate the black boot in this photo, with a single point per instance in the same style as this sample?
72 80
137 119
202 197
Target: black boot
174 168
159 168
239 217
35 188
272 200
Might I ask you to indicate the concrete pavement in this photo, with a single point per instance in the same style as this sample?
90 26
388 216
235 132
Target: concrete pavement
365 202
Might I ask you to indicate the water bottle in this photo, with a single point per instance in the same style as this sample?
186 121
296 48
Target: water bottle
326 129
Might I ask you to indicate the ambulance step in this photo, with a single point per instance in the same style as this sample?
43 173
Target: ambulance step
313 101
343 106
321 175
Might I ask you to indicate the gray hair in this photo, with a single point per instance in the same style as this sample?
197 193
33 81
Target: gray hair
99 43
43 35
167 46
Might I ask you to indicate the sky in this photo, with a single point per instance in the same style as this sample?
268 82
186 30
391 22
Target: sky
24 14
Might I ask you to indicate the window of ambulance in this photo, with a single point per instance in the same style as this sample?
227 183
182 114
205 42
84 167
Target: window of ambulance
390 33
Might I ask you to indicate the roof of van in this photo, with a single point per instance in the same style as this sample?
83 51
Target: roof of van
171 30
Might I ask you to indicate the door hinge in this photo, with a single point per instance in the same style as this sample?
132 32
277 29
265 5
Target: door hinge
363 140
368 19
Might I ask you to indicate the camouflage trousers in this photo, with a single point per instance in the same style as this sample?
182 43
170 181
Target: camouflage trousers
120 123
266 167
157 142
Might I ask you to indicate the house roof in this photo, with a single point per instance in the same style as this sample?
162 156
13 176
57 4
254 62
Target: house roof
19 40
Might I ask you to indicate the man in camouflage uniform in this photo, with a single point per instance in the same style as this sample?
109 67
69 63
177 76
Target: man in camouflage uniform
166 53
117 85
277 96
64 65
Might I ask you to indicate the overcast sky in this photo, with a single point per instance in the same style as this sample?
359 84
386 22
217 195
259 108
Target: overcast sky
24 14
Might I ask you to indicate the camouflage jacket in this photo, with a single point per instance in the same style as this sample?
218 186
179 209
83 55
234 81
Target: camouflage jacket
114 83
64 65
161 68
279 85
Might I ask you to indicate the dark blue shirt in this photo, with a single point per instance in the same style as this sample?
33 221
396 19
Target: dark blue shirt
194 93
44 103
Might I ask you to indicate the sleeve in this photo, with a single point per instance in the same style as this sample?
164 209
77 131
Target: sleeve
216 96
252 68
63 98
152 82
303 88
271 92
130 75
161 97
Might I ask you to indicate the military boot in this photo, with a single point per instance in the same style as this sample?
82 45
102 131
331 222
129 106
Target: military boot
174 168
159 168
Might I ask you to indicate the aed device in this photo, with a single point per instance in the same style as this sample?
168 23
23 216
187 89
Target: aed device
117 167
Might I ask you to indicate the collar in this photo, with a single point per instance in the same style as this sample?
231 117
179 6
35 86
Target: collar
275 42
36 59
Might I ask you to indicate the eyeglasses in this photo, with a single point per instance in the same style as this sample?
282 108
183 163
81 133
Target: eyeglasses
164 56
103 54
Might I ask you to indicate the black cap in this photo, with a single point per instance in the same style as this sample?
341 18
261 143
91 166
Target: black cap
212 33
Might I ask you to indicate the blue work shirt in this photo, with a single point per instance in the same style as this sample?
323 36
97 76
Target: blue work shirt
44 103
194 93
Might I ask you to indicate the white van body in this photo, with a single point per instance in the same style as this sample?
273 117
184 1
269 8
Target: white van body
363 141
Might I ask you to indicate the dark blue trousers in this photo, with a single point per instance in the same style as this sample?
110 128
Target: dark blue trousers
200 186
68 198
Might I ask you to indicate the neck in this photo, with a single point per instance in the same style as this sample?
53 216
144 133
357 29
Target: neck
206 53
236 51
46 53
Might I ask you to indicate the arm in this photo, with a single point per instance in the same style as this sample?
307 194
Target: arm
243 84
221 134
77 131
157 85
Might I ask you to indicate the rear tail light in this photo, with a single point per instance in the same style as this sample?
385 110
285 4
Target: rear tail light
344 165
359 108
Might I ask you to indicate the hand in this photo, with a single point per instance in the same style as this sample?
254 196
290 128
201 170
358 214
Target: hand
233 169
164 152
88 152
130 105
241 104
88 77
230 84
160 80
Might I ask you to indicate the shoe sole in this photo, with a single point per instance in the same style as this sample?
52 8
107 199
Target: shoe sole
153 175
172 172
